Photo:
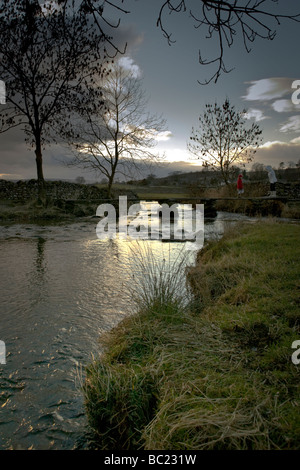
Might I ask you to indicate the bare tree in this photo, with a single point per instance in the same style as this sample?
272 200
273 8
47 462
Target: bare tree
227 21
51 56
122 138
223 140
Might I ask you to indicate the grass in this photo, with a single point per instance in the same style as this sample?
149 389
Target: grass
215 372
31 211
152 192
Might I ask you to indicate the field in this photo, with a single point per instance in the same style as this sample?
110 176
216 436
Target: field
152 191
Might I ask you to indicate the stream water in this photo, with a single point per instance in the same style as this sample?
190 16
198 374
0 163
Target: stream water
61 287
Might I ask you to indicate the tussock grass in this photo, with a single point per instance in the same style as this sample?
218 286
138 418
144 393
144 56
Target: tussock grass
120 401
215 373
159 281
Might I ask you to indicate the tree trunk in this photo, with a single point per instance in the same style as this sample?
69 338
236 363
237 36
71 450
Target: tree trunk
110 182
224 173
112 175
40 176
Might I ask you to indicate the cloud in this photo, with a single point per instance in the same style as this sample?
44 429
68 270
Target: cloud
285 106
18 159
163 136
276 93
269 89
255 114
128 64
273 153
128 35
292 125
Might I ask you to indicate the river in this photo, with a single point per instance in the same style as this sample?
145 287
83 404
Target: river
61 288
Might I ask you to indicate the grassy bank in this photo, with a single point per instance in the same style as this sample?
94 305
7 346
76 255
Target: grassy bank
216 373
63 201
33 211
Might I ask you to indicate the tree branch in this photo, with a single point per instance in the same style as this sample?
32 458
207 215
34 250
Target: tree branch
227 19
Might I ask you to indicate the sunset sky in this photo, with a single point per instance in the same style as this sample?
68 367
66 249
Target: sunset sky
260 81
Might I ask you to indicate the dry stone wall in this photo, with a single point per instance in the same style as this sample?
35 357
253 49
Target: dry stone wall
22 191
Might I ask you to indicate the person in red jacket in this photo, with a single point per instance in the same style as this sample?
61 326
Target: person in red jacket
239 185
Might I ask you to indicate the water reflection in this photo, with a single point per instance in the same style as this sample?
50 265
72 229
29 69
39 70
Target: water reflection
57 298
40 258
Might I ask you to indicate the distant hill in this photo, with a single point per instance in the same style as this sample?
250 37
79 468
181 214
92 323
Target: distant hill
213 178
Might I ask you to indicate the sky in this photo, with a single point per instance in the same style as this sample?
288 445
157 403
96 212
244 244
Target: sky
260 81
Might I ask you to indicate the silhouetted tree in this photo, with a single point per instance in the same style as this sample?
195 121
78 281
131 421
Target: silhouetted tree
51 57
120 138
223 140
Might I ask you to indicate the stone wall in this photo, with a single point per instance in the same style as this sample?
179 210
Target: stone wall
23 191
289 190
